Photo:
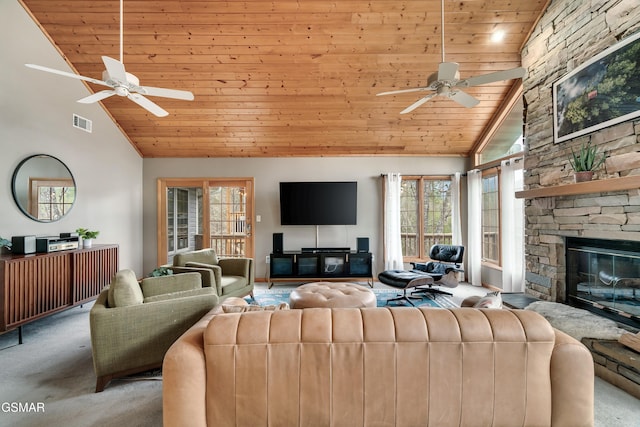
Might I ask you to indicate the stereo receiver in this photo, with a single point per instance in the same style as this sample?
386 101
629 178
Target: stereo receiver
55 244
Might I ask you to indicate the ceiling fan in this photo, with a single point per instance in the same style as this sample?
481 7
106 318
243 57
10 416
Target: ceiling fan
446 82
122 83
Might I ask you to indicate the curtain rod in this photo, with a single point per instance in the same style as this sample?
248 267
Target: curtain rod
494 163
515 157
419 174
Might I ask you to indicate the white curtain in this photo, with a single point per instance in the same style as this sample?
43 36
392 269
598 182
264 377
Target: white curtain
392 226
512 226
473 252
456 224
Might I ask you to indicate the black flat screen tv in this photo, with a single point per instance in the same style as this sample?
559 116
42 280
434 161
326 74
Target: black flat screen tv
318 203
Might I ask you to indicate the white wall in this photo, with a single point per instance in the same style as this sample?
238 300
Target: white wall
35 117
268 172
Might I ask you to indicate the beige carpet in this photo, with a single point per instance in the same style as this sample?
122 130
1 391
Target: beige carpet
54 367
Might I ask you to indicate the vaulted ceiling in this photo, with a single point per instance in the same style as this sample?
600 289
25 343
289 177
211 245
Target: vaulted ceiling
294 77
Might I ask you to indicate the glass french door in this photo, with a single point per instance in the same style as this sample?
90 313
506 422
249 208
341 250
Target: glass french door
229 228
184 219
205 213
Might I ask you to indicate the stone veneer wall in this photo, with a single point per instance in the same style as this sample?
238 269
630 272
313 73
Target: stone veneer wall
569 33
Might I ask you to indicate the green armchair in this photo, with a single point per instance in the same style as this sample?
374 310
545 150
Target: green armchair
134 324
231 277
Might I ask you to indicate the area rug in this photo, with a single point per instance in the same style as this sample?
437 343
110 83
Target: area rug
577 322
276 296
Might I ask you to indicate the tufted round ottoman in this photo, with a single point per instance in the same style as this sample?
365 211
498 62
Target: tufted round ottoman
330 294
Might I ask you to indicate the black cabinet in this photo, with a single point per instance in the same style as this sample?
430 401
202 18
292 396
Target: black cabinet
360 264
307 265
334 265
282 265
301 266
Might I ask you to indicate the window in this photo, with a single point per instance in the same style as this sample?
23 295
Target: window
51 199
504 140
178 219
425 209
490 217
409 214
507 139
182 219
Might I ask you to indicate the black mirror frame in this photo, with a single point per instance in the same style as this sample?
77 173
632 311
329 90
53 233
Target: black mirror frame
15 195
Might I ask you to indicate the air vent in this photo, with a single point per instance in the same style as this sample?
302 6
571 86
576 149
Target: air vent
81 123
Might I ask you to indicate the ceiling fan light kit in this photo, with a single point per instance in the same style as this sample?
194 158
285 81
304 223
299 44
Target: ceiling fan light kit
446 82
122 83
497 36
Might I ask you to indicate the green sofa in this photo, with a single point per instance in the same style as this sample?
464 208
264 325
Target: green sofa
231 277
133 323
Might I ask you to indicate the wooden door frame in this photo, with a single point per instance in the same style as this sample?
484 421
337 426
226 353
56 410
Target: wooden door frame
204 184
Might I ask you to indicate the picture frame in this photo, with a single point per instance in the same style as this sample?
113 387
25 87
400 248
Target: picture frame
602 92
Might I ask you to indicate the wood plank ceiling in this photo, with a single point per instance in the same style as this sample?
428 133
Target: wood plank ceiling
293 77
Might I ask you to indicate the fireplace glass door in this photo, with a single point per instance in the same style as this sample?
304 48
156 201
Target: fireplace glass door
604 275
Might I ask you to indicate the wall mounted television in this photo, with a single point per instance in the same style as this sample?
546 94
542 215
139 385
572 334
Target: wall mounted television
318 203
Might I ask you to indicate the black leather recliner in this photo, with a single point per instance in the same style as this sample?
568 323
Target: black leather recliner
446 262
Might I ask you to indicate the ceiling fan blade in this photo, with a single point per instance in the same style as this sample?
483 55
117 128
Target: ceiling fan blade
395 92
514 73
166 93
147 104
448 71
98 96
418 103
115 69
66 74
463 98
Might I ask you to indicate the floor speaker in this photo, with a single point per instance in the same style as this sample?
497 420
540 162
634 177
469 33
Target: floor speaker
363 244
277 243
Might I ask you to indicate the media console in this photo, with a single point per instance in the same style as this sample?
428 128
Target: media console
37 285
320 264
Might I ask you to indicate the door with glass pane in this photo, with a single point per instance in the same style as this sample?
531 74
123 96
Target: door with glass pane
205 213
184 219
229 225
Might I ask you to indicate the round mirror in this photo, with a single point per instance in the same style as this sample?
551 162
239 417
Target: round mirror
43 188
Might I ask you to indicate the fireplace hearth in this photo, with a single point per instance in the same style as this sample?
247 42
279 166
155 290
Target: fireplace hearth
603 276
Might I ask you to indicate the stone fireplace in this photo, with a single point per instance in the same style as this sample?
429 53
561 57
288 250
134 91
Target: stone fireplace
603 275
593 233
558 210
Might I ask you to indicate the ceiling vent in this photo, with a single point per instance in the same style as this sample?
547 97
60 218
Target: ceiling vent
81 123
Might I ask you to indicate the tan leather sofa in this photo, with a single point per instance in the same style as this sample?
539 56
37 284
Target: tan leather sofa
377 366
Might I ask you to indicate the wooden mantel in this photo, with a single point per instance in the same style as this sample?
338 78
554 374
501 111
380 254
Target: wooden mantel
597 186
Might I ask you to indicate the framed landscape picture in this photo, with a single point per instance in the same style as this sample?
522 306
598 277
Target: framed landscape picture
601 92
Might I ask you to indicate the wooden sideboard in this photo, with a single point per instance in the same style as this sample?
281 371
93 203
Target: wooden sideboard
37 285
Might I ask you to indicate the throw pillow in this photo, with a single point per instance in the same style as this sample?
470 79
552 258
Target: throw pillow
203 256
490 300
253 307
124 290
